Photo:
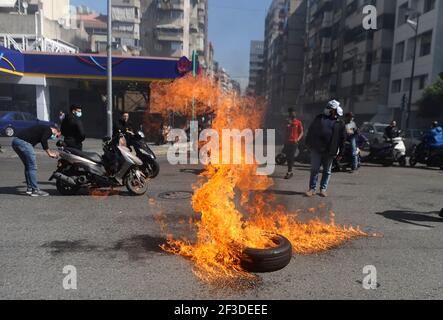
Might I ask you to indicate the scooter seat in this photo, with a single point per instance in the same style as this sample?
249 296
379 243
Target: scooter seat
92 156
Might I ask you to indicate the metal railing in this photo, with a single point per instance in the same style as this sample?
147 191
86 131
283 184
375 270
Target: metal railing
25 42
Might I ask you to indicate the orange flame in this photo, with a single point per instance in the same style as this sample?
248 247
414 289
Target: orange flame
227 228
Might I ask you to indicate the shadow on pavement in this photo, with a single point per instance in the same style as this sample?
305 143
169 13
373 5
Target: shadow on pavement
137 247
412 217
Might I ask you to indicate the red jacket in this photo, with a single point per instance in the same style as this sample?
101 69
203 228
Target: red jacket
294 131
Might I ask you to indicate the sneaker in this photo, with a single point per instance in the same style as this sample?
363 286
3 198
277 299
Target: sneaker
289 175
310 193
323 194
29 192
441 213
39 193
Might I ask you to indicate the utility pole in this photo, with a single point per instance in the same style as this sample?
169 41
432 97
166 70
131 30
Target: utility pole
415 25
109 78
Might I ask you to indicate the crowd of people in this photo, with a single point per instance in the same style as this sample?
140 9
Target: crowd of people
326 138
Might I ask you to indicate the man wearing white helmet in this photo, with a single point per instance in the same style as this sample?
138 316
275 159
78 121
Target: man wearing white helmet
326 140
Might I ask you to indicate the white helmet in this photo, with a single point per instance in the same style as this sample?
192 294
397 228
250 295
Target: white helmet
334 104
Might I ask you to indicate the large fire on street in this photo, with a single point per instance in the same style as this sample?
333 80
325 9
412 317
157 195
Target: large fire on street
236 211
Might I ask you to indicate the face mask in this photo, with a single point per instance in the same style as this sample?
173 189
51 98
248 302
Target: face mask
78 114
53 137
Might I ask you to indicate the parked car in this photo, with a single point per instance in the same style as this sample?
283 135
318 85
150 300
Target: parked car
374 132
12 122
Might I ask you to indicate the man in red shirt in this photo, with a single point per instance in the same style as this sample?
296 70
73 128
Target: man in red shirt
294 134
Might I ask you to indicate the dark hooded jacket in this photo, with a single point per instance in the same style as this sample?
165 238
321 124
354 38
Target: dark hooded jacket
326 135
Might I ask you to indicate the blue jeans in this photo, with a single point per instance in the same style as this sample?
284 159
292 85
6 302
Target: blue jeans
27 154
320 160
355 163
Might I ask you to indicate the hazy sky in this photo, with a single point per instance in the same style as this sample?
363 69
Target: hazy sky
232 25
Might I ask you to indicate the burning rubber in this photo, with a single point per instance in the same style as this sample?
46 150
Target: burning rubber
269 259
236 210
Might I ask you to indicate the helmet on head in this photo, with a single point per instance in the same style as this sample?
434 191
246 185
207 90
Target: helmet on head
334 104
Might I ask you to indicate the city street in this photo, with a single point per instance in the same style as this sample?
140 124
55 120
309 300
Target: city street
114 241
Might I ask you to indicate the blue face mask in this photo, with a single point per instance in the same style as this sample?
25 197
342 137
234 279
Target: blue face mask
53 137
78 114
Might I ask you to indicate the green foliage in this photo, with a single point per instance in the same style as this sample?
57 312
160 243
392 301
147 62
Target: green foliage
431 103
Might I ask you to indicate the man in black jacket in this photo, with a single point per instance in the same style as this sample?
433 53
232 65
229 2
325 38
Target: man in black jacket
72 128
24 144
123 124
326 140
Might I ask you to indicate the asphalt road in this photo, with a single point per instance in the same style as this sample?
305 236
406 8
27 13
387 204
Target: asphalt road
113 241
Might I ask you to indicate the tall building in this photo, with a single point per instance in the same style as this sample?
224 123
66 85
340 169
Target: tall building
429 54
126 19
175 28
256 65
283 57
346 62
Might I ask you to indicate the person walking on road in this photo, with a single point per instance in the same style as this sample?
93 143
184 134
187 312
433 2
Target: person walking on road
23 144
294 134
72 128
326 139
351 135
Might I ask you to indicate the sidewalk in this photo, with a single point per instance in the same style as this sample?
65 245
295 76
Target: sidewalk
91 145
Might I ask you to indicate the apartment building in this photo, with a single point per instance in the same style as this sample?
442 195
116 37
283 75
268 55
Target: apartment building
429 53
175 28
346 62
256 65
126 20
283 54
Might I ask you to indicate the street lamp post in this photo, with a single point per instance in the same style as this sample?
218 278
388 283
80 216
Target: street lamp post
414 25
109 78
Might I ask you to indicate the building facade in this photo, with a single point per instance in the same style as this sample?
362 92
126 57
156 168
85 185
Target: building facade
429 55
346 62
175 28
256 65
126 20
283 57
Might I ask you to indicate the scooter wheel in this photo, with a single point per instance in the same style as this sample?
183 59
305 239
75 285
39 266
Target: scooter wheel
412 162
65 189
402 162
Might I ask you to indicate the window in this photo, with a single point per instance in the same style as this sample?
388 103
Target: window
410 50
426 43
429 5
399 52
422 80
18 117
396 86
402 14
406 84
29 117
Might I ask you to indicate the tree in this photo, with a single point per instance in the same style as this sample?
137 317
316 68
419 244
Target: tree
431 103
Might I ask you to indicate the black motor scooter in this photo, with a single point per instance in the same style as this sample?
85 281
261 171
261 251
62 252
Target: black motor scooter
423 155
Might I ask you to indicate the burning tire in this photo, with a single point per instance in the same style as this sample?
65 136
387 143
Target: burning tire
268 260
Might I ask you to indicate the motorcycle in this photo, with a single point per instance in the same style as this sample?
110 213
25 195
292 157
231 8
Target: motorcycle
116 168
150 167
422 154
388 153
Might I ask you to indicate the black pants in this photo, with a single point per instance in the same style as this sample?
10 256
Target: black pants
290 150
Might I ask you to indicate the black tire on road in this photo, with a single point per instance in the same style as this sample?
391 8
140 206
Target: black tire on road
402 162
412 161
154 169
268 260
280 159
66 189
